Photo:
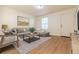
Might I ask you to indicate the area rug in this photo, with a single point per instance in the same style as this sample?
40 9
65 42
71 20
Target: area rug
25 47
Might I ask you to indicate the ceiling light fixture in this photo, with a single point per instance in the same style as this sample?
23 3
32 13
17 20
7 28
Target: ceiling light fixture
39 6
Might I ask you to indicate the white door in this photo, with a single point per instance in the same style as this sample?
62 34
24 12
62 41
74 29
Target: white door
67 23
54 24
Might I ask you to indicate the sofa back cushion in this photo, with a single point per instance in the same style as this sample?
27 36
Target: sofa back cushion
21 30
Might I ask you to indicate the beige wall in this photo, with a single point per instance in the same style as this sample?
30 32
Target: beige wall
9 16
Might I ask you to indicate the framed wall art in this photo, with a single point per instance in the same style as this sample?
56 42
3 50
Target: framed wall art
22 21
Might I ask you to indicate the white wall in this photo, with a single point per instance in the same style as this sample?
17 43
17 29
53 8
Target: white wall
9 16
54 21
38 23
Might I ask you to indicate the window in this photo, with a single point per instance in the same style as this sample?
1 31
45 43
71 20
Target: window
45 23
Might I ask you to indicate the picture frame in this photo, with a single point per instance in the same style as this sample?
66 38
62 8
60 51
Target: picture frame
22 21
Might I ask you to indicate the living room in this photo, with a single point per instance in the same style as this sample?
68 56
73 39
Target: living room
52 24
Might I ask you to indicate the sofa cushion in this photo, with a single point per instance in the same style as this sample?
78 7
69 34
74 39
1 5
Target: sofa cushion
9 39
21 30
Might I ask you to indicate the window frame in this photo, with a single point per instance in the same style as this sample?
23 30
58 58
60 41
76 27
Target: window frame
44 23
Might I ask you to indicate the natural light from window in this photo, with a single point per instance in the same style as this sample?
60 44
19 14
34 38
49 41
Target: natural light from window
44 23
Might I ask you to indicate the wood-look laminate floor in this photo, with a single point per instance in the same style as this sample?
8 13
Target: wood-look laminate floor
9 50
55 45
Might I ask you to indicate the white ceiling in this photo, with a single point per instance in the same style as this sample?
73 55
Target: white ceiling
30 9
